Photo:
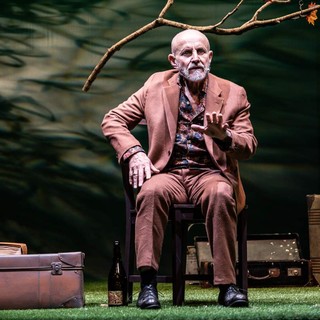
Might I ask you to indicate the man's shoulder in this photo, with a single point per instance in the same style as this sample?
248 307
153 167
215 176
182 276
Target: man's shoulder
165 77
222 82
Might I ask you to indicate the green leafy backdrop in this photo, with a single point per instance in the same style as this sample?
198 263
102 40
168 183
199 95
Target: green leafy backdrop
60 185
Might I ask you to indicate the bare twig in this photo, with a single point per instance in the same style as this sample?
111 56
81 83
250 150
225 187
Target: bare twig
244 27
110 52
255 16
117 46
254 22
229 14
265 5
166 8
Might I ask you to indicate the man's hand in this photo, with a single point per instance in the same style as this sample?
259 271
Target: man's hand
140 169
215 128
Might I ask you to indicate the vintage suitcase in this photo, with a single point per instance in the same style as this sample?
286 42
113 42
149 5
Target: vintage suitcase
313 203
13 248
34 281
275 260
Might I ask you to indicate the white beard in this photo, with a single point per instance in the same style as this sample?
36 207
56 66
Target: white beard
196 75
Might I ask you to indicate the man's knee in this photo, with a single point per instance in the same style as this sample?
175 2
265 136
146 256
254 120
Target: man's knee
152 190
219 191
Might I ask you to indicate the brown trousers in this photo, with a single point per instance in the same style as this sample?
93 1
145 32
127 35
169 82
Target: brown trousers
206 188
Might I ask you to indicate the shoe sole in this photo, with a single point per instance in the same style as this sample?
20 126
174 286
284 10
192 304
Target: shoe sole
151 306
239 304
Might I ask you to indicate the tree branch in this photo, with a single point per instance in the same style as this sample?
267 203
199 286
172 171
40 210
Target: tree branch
229 14
166 8
254 22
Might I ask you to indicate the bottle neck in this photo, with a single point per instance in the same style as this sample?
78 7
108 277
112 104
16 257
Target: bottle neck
116 252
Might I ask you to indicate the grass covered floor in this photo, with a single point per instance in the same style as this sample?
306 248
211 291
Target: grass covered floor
265 303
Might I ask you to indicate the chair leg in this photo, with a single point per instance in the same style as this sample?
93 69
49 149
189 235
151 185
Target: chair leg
242 250
130 291
178 285
129 255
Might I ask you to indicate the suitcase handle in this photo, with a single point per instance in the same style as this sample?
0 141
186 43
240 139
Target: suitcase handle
272 273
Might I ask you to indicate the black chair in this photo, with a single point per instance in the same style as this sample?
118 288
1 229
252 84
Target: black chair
181 217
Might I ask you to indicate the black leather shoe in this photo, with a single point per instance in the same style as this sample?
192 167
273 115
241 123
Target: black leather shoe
148 298
231 296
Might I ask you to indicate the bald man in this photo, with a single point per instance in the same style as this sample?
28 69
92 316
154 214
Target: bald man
198 128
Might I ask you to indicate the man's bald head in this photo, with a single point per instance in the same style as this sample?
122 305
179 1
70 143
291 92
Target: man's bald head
191 55
187 35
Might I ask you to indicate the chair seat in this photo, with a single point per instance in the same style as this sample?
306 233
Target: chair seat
188 212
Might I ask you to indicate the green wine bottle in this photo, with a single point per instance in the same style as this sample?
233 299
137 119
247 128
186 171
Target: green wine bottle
117 280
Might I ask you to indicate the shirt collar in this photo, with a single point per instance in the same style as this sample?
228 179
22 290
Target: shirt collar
181 83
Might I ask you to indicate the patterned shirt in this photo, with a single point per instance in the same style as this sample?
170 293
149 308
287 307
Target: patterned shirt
189 149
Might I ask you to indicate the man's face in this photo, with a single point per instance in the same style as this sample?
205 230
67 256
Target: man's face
191 56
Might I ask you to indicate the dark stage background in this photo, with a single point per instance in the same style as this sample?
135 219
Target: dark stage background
60 184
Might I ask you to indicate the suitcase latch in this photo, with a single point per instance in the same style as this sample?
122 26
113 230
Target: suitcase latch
274 272
56 268
294 272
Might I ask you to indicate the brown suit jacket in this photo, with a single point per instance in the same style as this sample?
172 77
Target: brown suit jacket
157 102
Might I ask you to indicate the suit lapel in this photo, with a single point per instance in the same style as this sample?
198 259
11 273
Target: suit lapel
214 101
171 102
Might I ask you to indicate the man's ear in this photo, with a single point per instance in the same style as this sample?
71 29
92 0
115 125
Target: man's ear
172 60
210 55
